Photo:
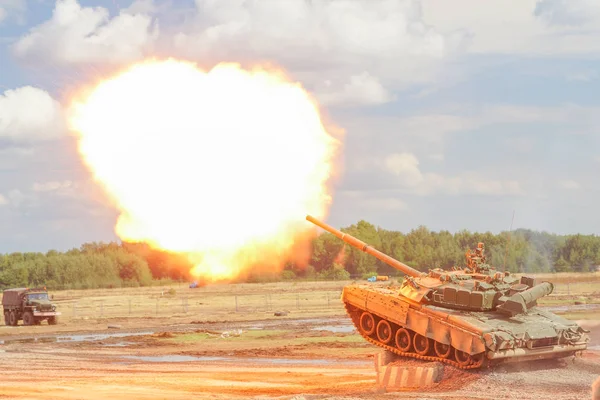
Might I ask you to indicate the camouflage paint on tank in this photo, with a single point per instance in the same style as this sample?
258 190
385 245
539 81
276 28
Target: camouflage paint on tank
467 317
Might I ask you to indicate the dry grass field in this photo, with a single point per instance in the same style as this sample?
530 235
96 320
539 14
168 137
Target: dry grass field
177 303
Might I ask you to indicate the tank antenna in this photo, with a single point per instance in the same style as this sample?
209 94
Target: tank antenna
508 241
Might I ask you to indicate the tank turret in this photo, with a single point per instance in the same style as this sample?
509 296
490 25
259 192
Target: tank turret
466 316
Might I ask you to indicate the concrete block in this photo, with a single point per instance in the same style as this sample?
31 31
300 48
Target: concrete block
384 358
395 373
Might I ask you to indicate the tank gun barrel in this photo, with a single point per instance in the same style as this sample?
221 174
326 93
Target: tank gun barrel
518 303
351 240
540 290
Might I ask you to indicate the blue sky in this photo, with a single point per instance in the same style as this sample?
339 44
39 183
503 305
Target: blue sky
456 113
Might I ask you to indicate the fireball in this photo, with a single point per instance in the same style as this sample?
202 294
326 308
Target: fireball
221 165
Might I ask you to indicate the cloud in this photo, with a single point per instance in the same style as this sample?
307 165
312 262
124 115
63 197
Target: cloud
76 35
16 150
51 186
422 134
59 197
426 134
30 114
3 200
83 191
346 51
567 12
362 89
17 199
373 201
405 167
468 149
520 27
54 214
146 7
569 185
582 76
10 8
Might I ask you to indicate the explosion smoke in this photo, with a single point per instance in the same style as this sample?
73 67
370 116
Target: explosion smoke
220 165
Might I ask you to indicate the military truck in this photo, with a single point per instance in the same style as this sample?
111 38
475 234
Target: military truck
30 305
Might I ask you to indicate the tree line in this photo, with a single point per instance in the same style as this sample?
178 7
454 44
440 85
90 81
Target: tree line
522 250
93 265
106 265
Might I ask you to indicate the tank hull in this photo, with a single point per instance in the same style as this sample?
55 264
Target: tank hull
466 340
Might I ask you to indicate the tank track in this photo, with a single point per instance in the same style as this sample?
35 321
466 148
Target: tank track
355 316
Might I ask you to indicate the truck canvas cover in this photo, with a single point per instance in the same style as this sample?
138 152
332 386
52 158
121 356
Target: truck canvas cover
11 297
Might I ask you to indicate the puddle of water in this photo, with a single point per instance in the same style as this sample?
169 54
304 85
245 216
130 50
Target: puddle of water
313 320
335 328
277 361
30 340
172 358
120 344
302 361
75 338
100 336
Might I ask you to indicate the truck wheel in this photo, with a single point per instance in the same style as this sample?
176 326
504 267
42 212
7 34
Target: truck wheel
52 320
28 318
14 320
6 318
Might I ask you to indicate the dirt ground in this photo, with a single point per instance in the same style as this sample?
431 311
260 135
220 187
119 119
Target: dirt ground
227 344
293 358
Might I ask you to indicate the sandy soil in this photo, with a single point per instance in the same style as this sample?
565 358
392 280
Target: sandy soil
287 359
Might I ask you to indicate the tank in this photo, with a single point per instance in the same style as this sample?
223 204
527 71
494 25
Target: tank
468 317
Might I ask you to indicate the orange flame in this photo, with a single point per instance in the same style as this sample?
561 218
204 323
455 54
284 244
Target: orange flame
220 165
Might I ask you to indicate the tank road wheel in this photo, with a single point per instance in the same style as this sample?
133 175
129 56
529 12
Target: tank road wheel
367 323
384 332
442 350
7 318
28 318
422 344
462 358
477 360
403 339
13 318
